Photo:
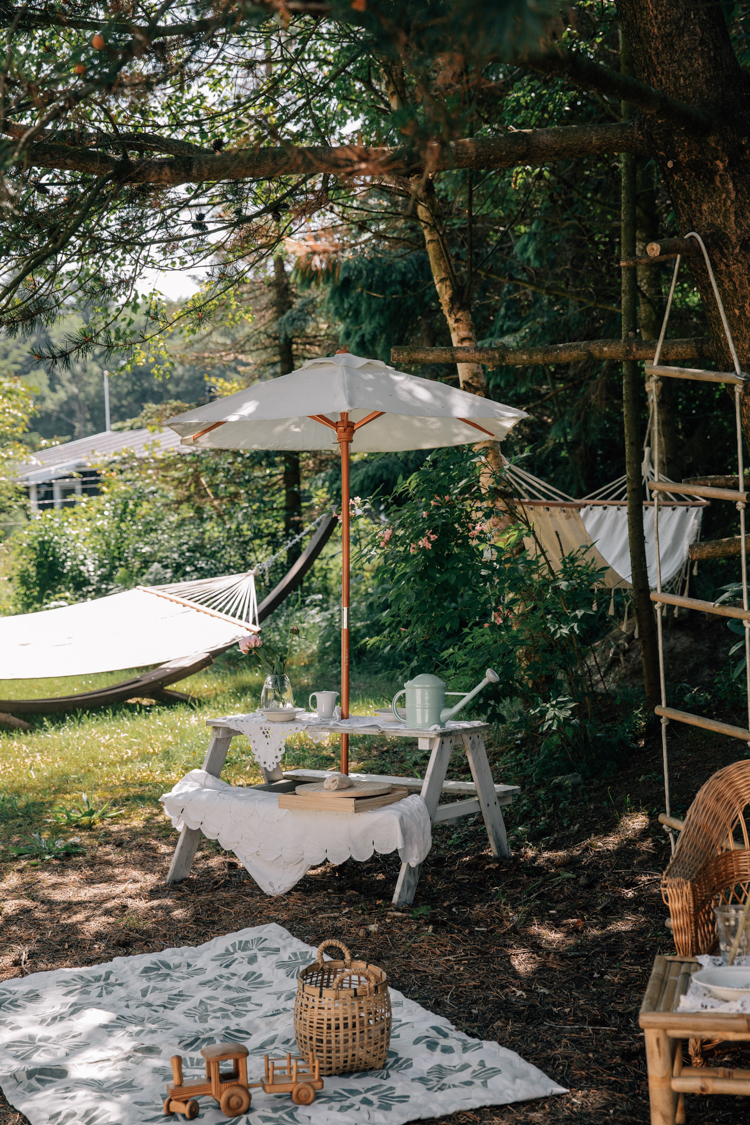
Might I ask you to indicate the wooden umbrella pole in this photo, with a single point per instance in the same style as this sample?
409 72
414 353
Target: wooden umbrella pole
345 433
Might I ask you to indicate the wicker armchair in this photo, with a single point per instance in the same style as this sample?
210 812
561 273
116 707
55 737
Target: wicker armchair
711 863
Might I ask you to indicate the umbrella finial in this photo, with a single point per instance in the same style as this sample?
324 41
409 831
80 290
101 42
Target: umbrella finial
342 351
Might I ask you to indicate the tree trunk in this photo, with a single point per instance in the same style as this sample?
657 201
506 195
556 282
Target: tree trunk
455 308
292 475
632 390
453 302
651 314
684 50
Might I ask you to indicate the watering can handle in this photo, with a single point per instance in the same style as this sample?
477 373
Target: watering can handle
393 705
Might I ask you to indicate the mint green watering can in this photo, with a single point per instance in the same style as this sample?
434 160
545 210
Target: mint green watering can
425 700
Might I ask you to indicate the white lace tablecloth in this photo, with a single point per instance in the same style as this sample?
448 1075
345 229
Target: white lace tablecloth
699 999
277 846
267 740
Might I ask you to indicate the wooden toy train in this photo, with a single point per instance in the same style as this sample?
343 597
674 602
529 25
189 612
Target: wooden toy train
232 1090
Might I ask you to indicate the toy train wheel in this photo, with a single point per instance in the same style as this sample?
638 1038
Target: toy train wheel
192 1109
303 1094
168 1107
235 1100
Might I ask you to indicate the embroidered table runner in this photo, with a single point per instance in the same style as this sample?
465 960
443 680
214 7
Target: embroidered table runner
267 740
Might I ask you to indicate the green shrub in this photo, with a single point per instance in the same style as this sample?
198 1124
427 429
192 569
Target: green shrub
457 591
170 519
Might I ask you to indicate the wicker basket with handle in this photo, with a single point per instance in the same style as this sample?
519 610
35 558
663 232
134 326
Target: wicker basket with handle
342 1015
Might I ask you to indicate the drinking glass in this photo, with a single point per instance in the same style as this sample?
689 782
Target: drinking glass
728 919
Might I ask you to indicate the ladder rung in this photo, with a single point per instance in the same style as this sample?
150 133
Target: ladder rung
698 376
701 606
696 490
707 724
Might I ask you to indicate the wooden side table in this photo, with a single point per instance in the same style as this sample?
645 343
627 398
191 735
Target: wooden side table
665 1029
482 794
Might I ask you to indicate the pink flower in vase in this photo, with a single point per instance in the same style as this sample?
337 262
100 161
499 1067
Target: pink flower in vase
249 642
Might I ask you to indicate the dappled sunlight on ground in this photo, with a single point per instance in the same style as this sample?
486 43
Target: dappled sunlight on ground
548 953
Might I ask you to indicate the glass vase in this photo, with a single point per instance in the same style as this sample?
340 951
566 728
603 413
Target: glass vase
277 693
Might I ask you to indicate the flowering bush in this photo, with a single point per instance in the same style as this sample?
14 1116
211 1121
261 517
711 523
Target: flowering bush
458 592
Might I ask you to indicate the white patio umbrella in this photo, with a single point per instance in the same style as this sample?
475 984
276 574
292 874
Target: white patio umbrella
355 402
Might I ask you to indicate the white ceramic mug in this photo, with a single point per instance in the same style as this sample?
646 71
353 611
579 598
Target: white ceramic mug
325 703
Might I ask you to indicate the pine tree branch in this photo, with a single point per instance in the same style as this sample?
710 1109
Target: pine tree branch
548 291
590 75
25 18
698 347
503 151
98 139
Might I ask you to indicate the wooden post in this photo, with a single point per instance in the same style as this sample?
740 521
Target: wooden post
631 384
432 787
488 802
345 434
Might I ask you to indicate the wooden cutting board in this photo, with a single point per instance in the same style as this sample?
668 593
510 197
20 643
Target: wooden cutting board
356 790
325 801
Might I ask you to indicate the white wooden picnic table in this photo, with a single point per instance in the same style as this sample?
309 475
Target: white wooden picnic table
481 795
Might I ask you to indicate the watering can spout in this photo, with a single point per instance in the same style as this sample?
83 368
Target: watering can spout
448 712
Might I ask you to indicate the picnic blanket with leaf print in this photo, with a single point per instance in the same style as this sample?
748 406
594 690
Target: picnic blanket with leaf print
92 1046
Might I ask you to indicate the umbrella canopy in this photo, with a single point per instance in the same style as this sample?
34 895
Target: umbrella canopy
351 401
412 413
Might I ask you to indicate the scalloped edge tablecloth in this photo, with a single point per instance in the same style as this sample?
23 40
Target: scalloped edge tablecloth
277 846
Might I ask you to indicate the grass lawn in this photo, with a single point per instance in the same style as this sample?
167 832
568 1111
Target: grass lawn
548 953
133 752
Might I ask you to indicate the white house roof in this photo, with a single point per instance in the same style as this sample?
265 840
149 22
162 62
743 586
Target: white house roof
73 456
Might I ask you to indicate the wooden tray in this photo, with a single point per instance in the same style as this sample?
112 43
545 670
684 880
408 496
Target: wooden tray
357 790
325 801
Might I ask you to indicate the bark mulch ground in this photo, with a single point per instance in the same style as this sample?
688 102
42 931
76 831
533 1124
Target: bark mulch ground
548 953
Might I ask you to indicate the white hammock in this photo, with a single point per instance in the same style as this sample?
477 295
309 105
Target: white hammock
147 625
140 627
599 523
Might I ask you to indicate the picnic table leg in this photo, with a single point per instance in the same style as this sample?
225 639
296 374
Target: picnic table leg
432 787
276 774
187 845
488 802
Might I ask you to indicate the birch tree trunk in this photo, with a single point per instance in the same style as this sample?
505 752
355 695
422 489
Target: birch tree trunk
455 307
453 302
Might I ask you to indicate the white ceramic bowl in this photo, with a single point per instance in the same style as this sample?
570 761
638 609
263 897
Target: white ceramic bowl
283 714
730 982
